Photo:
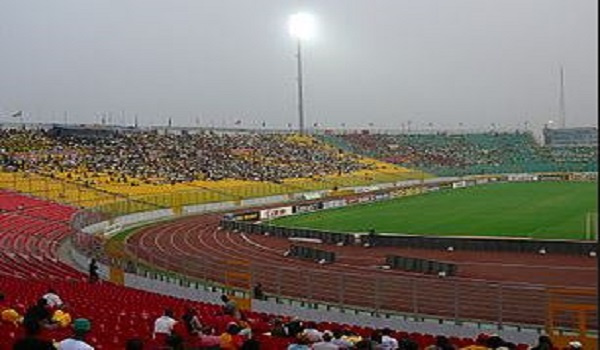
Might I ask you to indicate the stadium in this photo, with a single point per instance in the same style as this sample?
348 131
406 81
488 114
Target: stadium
346 239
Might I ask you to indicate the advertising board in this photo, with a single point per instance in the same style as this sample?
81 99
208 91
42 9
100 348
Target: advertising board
382 196
459 184
276 212
306 208
246 216
334 204
365 199
521 177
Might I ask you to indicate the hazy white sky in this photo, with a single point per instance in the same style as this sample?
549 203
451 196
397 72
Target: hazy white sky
445 62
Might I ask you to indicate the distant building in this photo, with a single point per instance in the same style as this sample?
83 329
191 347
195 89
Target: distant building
571 137
89 131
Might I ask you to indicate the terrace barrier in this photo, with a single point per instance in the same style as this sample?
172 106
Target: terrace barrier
459 301
165 283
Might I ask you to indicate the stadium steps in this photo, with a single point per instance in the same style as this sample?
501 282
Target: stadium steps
30 234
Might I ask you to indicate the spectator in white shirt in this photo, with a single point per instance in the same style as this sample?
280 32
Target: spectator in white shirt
310 330
54 301
338 340
387 341
163 326
326 343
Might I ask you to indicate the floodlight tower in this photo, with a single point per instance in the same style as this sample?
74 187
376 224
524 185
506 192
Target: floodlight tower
301 27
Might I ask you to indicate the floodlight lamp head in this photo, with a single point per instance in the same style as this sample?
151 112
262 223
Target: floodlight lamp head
302 26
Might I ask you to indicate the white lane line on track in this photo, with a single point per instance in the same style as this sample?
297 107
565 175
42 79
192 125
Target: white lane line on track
470 263
260 246
528 266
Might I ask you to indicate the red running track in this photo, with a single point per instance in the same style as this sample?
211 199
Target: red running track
489 286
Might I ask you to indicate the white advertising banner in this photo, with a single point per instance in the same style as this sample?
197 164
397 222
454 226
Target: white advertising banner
334 204
276 212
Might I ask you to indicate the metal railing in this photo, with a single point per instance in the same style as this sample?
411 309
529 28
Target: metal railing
122 200
453 299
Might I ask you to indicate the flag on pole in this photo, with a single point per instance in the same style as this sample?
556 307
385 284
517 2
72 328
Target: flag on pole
238 122
17 114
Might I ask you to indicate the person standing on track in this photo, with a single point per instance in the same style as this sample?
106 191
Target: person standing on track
371 237
93 271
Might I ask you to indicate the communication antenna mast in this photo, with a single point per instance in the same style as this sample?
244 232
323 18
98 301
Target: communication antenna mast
561 102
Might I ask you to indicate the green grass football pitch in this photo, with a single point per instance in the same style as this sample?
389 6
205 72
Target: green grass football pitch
546 210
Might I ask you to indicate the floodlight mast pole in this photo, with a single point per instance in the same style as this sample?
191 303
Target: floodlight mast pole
300 81
561 102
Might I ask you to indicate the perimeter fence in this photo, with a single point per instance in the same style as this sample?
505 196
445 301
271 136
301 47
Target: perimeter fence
458 300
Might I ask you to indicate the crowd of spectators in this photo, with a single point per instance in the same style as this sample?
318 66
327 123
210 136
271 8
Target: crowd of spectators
153 157
23 140
136 157
585 157
230 329
225 327
457 154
